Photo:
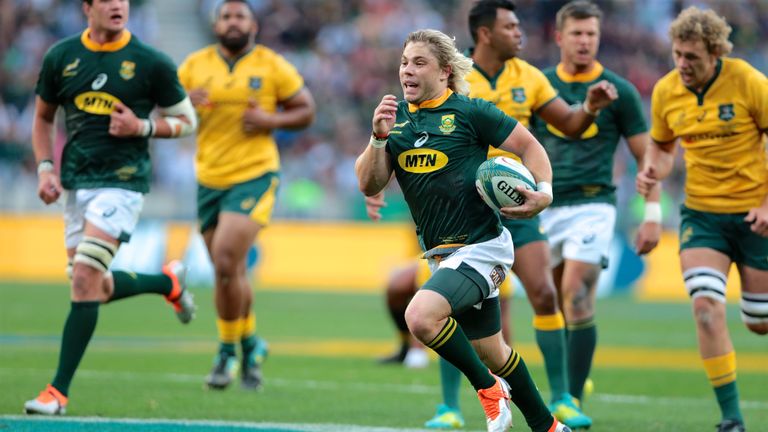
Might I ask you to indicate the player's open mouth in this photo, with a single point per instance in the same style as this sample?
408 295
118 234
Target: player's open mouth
116 17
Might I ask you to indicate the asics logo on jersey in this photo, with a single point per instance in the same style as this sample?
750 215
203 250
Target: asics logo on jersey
701 116
420 142
99 82
109 212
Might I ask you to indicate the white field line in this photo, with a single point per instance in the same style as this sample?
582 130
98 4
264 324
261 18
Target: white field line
619 399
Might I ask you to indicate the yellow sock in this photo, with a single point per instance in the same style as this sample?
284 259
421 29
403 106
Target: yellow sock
721 370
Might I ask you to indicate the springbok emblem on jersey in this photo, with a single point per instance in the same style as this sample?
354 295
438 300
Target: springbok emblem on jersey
127 70
447 124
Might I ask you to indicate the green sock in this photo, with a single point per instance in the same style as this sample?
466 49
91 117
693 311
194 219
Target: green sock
728 399
552 346
450 379
452 344
227 349
78 330
248 344
582 340
524 394
128 284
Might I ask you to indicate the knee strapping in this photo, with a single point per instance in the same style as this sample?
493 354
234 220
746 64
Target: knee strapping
95 252
705 282
754 308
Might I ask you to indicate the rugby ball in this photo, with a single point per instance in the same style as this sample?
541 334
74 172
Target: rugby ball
497 178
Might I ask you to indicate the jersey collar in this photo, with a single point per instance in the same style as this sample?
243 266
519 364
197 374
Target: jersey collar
580 77
432 103
700 95
125 37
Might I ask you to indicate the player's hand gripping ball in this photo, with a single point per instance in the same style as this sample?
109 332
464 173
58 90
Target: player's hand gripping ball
497 178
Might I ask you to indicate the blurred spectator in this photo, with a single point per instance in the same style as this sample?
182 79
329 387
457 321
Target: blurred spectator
346 50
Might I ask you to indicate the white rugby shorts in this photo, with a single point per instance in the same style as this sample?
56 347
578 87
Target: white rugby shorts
581 232
487 258
112 210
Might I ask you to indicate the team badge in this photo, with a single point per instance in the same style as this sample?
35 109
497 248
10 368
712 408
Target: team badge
518 94
447 124
69 70
686 235
497 276
248 203
254 83
726 112
127 70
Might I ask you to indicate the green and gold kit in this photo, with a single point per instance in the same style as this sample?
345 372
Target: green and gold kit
435 148
87 79
582 168
722 130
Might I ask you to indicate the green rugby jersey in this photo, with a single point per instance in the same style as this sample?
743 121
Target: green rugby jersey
583 168
435 149
87 79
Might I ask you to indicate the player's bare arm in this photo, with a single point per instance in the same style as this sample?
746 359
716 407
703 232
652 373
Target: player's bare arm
175 121
48 183
298 112
522 143
373 167
573 121
658 163
649 231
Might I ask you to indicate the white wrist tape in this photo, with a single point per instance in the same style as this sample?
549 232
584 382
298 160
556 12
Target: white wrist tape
377 143
147 128
44 166
652 212
544 187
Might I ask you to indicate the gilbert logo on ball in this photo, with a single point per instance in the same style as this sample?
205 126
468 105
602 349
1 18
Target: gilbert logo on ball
497 178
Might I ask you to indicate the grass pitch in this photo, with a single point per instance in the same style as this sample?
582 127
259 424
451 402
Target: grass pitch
143 364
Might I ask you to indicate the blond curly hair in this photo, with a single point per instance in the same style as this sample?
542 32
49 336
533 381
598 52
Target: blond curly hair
705 25
444 48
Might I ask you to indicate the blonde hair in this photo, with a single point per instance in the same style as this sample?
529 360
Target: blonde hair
444 48
705 25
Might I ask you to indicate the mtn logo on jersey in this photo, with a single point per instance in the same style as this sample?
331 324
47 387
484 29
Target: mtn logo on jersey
127 70
591 131
447 124
421 161
94 102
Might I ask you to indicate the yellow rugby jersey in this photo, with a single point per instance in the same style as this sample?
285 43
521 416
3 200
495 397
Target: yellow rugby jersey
721 130
519 89
226 155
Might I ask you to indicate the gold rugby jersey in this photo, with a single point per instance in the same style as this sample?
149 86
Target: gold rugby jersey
519 89
721 130
226 155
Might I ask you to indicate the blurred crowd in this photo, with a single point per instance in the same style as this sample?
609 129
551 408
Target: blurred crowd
348 52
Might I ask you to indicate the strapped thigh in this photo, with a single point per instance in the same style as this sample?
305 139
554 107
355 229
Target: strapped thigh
95 252
705 282
754 308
